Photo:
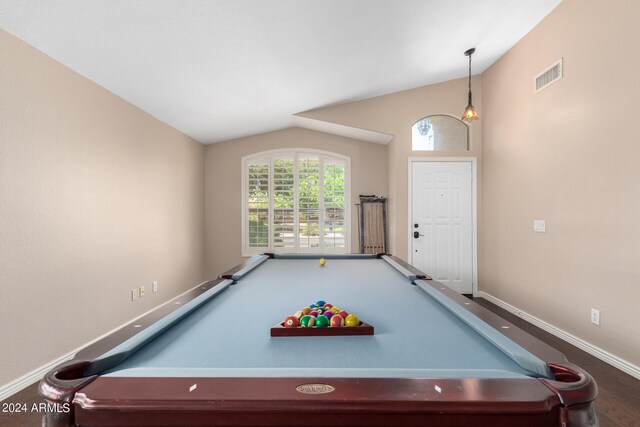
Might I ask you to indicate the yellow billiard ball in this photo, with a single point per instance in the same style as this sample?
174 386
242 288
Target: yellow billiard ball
322 262
352 320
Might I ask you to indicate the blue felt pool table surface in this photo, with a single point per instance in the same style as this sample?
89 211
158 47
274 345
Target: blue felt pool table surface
416 335
207 357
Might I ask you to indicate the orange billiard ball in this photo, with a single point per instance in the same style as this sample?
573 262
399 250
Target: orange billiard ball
336 321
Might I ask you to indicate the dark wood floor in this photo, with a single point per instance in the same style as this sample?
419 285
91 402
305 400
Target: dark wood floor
618 402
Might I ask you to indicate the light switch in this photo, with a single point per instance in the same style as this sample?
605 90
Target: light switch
539 226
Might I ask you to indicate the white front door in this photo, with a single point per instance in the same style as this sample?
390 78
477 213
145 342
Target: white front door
442 222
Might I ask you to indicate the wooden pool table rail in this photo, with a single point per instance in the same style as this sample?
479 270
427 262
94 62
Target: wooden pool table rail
60 384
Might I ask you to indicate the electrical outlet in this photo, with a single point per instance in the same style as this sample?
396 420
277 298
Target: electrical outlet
134 294
154 287
141 291
539 226
595 316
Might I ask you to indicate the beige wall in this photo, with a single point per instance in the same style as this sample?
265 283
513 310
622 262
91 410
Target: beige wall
223 184
96 198
395 114
569 155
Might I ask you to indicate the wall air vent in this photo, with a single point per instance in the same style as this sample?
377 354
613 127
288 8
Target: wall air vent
548 76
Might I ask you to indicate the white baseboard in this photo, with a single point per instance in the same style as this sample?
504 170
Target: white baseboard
13 387
601 354
29 378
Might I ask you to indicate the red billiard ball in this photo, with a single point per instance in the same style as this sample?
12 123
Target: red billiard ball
327 306
291 322
343 314
336 321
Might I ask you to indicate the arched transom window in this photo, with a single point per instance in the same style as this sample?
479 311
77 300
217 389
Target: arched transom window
439 133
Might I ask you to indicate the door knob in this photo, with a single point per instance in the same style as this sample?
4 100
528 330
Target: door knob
416 234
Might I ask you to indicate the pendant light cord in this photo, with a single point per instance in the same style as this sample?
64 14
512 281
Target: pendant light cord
469 79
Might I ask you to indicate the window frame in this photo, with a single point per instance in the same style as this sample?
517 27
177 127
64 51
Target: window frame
468 135
295 152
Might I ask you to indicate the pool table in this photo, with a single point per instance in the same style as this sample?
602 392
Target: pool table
207 357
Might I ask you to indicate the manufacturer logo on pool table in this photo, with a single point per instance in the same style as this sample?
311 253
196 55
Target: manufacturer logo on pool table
315 388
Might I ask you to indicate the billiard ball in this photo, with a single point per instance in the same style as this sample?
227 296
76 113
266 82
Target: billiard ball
291 322
335 310
343 313
322 262
319 303
298 314
322 322
314 314
306 310
336 322
327 306
352 320
328 314
307 321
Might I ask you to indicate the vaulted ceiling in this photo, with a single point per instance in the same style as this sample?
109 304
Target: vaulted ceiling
218 70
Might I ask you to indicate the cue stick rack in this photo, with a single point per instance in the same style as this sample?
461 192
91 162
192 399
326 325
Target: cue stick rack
372 224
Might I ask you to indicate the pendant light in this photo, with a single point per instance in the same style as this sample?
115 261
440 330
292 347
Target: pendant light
470 112
424 125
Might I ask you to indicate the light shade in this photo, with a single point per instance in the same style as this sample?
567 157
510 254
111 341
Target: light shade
470 114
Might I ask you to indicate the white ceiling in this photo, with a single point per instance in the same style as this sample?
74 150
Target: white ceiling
223 69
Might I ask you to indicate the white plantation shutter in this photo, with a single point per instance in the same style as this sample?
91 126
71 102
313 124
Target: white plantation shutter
308 202
283 201
295 201
334 204
257 212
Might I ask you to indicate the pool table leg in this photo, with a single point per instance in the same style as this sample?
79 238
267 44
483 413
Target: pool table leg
58 419
579 415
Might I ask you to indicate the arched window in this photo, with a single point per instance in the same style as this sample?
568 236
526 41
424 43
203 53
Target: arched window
439 133
295 201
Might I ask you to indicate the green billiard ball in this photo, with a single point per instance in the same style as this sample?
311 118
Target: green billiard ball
322 322
304 321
